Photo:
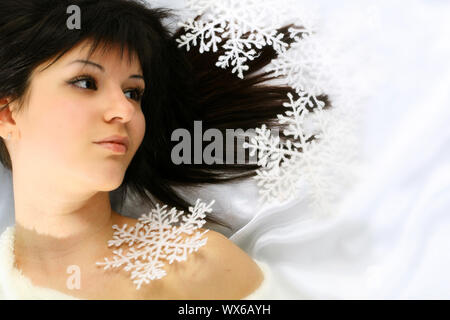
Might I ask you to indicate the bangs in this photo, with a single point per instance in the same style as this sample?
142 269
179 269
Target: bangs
112 25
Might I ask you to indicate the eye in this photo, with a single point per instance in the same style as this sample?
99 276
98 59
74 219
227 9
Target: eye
86 81
136 94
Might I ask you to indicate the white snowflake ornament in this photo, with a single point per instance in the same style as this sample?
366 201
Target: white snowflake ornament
227 23
154 238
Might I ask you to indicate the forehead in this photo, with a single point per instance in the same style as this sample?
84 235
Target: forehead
106 52
111 56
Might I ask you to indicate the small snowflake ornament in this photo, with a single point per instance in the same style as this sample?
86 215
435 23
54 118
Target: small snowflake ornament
154 239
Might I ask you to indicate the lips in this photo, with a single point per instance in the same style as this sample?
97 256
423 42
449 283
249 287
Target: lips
115 142
116 147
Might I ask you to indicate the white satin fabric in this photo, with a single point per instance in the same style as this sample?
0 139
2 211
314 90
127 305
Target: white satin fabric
390 235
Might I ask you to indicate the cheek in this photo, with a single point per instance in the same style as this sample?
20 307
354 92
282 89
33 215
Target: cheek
76 120
138 127
60 130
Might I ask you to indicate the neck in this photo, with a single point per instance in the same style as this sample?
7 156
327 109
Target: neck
49 241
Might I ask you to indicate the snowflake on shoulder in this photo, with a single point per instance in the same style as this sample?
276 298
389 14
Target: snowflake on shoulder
155 238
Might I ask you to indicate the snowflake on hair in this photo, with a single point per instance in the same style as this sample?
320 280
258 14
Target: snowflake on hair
318 151
306 65
154 238
280 160
240 27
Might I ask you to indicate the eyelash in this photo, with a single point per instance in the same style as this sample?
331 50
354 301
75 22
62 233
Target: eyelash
138 90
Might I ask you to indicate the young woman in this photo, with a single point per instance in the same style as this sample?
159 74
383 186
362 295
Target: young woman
64 90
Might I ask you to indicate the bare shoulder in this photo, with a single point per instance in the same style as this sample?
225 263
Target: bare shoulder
217 270
221 270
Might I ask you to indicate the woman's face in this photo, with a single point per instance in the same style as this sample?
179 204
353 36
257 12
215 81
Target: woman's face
71 105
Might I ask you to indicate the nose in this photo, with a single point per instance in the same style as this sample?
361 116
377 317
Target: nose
119 106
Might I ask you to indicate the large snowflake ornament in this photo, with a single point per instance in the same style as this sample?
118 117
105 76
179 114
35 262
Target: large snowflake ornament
239 27
154 239
320 162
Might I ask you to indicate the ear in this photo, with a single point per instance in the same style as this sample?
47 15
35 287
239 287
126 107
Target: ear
4 104
6 118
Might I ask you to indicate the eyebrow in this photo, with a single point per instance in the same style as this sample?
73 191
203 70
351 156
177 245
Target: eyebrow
134 76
